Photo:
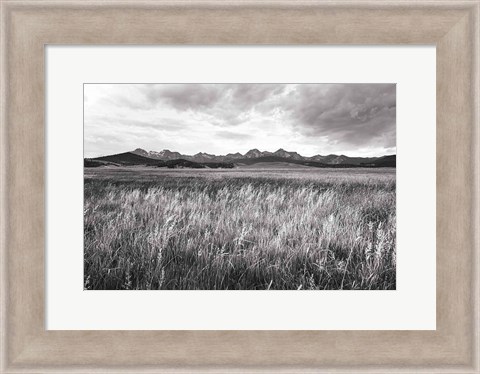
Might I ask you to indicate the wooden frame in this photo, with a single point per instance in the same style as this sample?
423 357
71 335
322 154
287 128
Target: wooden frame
453 26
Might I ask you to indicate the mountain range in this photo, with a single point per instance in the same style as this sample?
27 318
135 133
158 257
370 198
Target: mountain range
254 154
167 158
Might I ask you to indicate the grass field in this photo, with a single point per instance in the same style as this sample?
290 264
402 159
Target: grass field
302 228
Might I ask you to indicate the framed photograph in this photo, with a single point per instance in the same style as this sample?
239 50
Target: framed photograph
240 186
256 220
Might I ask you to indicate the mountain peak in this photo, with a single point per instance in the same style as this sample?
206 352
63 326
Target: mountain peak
253 153
283 153
140 152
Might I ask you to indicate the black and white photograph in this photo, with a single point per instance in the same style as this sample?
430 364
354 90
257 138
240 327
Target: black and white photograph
239 186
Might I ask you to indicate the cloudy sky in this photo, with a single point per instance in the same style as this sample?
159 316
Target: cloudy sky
349 119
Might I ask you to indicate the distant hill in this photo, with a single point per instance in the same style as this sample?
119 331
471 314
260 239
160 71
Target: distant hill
180 163
270 159
133 159
385 161
342 159
276 159
127 159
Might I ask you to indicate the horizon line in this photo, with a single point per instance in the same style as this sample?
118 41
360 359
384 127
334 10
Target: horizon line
243 154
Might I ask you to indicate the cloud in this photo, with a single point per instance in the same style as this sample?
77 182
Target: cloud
233 135
222 104
183 96
354 114
310 118
249 95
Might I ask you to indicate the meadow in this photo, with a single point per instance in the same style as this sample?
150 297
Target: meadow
240 229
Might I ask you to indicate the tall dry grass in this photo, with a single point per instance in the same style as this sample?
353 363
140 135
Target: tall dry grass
229 231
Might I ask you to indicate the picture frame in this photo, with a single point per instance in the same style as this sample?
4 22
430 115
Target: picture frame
27 27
